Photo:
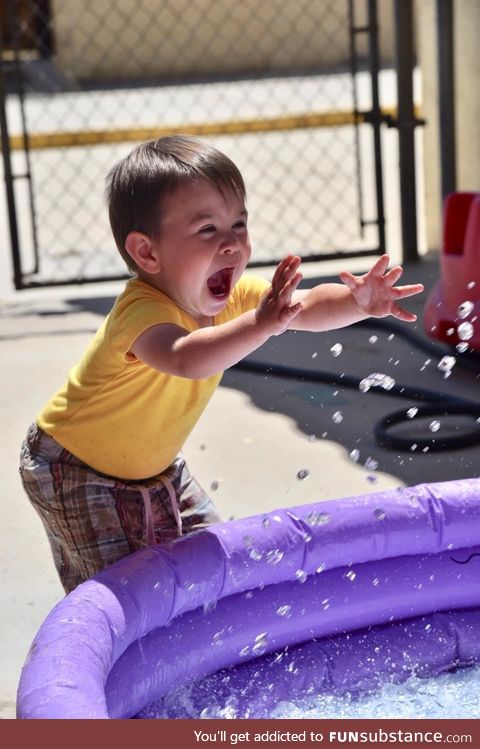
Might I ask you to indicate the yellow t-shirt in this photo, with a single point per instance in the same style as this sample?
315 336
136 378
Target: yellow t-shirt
116 413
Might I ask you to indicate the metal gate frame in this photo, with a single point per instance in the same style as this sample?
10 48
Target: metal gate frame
375 117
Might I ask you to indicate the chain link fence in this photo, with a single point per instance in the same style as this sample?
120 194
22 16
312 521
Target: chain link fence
268 83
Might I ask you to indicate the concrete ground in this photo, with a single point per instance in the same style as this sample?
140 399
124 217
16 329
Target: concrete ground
258 432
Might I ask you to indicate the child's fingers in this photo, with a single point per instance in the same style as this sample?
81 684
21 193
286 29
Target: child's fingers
402 314
285 270
348 279
285 293
380 266
403 291
393 275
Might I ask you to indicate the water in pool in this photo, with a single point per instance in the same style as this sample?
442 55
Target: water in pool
448 695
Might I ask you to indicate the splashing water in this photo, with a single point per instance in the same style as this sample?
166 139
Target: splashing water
465 331
336 349
451 695
376 379
465 309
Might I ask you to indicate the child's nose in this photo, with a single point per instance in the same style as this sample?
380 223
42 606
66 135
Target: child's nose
229 244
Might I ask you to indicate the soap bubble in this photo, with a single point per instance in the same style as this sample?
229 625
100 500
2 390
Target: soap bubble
336 349
465 331
464 309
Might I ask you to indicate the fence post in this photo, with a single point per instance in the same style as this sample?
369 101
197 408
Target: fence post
406 124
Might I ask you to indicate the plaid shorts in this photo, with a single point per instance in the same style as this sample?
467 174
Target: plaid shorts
92 519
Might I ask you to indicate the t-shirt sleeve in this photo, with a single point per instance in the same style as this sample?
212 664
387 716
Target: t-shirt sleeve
137 311
247 293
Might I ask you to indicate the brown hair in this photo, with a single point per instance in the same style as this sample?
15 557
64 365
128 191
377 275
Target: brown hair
137 185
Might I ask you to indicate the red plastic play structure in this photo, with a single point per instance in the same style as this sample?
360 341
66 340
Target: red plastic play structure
452 310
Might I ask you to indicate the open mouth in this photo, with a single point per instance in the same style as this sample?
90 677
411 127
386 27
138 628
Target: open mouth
219 283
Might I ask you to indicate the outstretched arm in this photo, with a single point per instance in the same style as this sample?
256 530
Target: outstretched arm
206 351
374 294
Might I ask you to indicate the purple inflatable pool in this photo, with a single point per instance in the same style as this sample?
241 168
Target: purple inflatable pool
333 596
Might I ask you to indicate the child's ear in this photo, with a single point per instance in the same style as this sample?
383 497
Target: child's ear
140 248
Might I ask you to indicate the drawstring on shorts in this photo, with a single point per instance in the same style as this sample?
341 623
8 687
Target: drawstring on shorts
147 503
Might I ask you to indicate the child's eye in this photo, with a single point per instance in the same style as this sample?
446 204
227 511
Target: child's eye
207 229
240 225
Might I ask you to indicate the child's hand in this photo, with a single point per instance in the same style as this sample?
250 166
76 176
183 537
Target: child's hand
275 311
375 294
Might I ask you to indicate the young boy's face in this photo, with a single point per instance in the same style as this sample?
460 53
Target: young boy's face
203 247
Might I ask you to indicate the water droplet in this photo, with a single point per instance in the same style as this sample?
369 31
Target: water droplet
317 518
464 309
248 541
303 474
312 437
425 364
301 575
412 412
157 585
217 638
434 426
391 337
285 611
470 284
325 603
446 364
354 455
376 581
209 606
372 478
255 555
462 347
214 486
337 417
202 447
450 331
371 464
266 522
322 567
124 581
373 339
351 575
379 513
465 331
314 356
260 644
274 557
428 627
413 446
376 379
244 651
336 349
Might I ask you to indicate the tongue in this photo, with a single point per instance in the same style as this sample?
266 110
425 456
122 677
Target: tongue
218 283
